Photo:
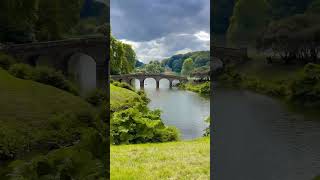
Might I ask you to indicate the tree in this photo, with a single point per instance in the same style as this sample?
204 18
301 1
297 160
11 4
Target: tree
249 18
187 67
154 67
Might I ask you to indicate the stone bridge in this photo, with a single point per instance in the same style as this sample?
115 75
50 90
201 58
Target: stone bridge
82 60
224 56
142 77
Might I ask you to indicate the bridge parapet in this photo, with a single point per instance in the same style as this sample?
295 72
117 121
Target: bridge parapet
142 77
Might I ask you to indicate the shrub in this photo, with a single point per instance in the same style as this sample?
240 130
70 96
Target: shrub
65 163
22 71
97 97
123 85
6 61
54 78
306 88
139 125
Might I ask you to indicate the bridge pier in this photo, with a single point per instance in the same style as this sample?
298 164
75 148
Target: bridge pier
170 84
158 84
142 84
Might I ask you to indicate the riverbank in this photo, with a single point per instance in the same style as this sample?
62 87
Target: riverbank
200 88
172 160
296 84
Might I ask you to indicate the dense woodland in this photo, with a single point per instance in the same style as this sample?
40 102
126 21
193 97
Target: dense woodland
269 25
42 20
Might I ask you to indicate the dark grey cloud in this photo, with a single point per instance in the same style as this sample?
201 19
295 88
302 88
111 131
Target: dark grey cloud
161 28
143 20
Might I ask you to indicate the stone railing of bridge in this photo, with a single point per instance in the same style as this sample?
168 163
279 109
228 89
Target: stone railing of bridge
142 77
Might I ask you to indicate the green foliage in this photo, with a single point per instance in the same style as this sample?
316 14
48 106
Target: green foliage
249 18
6 61
66 163
122 57
123 85
201 59
22 71
293 39
97 97
306 88
187 67
201 88
154 67
43 75
137 124
54 78
207 130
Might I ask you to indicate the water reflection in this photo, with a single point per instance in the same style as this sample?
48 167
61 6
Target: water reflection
258 138
182 109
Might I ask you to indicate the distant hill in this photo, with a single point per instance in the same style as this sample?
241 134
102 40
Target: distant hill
139 63
200 59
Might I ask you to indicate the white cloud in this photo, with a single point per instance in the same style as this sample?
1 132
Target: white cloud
164 47
202 36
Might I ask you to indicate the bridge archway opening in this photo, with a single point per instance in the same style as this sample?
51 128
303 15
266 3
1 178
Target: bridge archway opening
150 82
175 82
82 70
164 83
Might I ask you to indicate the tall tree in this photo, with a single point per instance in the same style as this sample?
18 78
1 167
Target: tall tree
187 67
249 18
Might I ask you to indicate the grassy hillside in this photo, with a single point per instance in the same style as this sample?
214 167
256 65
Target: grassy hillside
27 109
25 102
173 160
119 97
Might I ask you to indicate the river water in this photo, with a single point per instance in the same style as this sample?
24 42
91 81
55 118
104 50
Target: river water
183 109
257 137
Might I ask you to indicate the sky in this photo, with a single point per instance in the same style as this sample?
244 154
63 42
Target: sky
158 29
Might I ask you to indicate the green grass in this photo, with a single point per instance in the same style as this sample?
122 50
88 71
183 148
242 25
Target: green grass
120 97
28 102
173 160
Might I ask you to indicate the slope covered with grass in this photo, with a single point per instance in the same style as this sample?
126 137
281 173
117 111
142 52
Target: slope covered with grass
173 160
28 102
120 97
36 118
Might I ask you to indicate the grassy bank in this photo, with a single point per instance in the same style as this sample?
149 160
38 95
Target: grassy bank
172 160
200 88
40 126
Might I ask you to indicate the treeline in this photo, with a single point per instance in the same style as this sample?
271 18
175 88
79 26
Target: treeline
284 29
43 20
187 63
122 57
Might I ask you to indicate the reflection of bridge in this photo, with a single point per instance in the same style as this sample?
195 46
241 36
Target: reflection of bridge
142 77
83 60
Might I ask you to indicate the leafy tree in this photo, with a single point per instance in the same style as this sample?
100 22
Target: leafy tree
285 8
154 67
187 67
249 18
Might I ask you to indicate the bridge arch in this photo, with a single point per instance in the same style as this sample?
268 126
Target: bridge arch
82 70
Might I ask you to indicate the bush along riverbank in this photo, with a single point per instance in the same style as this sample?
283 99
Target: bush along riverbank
132 122
303 89
142 146
200 88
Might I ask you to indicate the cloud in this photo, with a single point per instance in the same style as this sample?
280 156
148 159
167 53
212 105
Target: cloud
164 47
158 29
144 20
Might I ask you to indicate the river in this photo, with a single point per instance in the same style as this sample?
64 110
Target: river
258 137
183 109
